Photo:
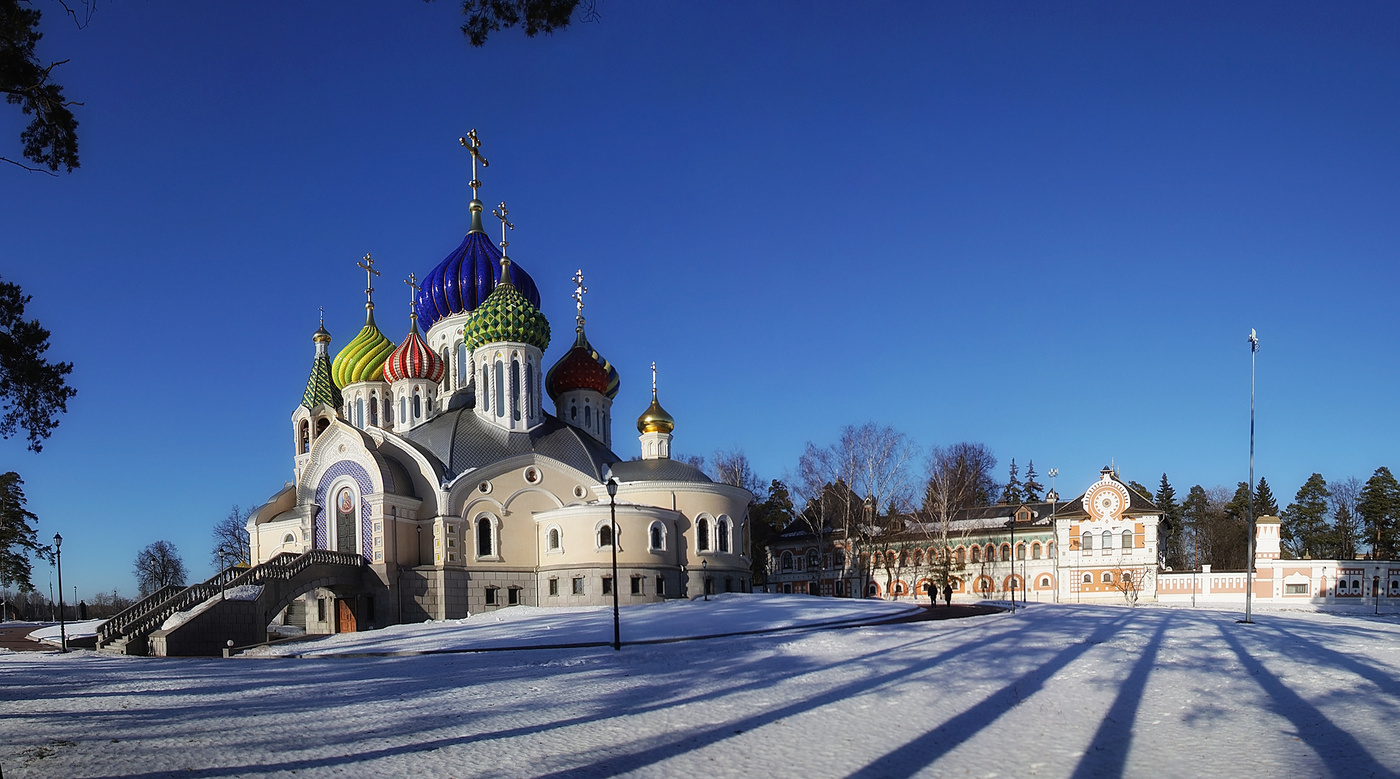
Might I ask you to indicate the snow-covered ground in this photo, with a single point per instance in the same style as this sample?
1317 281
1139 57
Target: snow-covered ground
1054 690
51 632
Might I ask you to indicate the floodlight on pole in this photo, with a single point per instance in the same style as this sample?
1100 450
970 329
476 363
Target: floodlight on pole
1249 563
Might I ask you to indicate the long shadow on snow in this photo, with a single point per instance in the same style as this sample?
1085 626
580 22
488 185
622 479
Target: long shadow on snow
924 750
1339 751
1108 750
623 704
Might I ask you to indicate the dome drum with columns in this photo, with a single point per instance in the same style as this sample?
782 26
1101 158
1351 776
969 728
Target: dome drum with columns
437 461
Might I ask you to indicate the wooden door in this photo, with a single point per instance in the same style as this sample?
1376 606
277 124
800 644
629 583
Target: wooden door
345 615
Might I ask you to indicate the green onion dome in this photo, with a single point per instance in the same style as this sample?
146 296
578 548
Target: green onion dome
363 358
506 315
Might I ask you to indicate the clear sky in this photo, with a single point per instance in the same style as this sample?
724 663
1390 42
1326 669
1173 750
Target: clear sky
1045 227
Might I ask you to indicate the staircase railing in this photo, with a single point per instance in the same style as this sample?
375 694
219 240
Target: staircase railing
282 567
111 627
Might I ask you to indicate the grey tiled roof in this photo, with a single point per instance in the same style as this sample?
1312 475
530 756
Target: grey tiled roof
658 470
461 442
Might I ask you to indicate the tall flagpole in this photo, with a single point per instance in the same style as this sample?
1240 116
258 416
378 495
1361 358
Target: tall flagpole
1249 564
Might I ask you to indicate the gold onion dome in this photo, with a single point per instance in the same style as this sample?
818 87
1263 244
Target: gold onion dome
506 315
655 419
363 358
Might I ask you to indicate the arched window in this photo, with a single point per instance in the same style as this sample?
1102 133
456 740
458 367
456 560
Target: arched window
722 528
960 557
587 415
813 560
1045 581
1128 539
918 557
484 545
898 588
1107 540
1020 551
463 371
1088 578
373 410
1086 542
1035 551
656 537
515 393
289 539
530 393
702 535
839 556
605 536
1050 550
787 561
500 388
553 539
1006 552
305 437
1107 577
360 413
403 409
483 389
446 374
976 555
417 405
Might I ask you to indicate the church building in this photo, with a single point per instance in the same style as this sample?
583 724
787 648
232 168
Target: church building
440 461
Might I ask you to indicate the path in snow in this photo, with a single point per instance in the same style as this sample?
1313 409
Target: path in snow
1055 690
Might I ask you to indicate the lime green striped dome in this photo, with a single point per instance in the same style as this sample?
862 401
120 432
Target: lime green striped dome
506 315
363 358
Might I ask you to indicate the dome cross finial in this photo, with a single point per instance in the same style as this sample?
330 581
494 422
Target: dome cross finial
579 292
653 379
323 315
500 213
473 145
412 282
370 273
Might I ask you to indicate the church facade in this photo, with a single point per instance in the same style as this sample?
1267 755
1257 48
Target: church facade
437 459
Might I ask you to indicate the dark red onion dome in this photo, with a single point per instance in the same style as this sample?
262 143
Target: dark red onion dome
413 360
579 368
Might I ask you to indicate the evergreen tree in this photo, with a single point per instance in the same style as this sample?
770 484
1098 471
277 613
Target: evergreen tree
766 521
1139 489
1172 549
1264 503
1379 508
1230 535
1195 514
1032 488
18 537
1342 541
1305 530
1011 494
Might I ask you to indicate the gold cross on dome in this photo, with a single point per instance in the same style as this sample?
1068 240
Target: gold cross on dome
412 282
473 145
579 291
370 273
653 378
500 214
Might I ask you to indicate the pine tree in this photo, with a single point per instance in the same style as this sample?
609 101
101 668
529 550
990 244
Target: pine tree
1032 488
18 537
1173 535
1305 529
1264 503
1011 495
1379 508
1195 515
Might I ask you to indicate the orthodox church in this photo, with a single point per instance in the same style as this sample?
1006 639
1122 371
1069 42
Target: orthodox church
436 459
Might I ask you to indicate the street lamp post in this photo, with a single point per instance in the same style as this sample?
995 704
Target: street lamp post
1054 497
1376 592
705 578
1012 525
62 624
617 621
1249 563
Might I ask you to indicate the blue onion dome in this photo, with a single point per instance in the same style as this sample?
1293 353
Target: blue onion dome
467 276
506 315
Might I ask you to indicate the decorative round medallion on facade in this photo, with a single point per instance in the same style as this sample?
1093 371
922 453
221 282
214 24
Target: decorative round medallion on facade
1106 500
413 360
507 315
363 358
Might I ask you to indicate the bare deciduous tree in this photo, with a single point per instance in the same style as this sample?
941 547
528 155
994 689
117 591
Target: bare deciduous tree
231 542
158 565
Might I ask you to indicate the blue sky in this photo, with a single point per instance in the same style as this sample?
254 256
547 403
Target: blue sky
1046 227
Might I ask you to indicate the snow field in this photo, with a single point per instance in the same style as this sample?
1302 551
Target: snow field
1054 690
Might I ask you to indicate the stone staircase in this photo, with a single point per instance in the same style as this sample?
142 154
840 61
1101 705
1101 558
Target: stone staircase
282 578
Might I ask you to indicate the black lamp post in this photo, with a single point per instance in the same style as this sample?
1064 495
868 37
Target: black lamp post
705 578
1012 525
1376 591
612 506
62 624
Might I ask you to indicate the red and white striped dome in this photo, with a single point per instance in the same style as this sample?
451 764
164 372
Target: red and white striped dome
413 360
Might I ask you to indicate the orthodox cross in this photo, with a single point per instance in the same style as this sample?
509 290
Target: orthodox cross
370 273
473 145
323 316
501 213
579 292
412 282
653 378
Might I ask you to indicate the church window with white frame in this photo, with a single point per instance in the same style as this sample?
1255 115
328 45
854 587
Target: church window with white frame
702 535
553 540
657 537
722 530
